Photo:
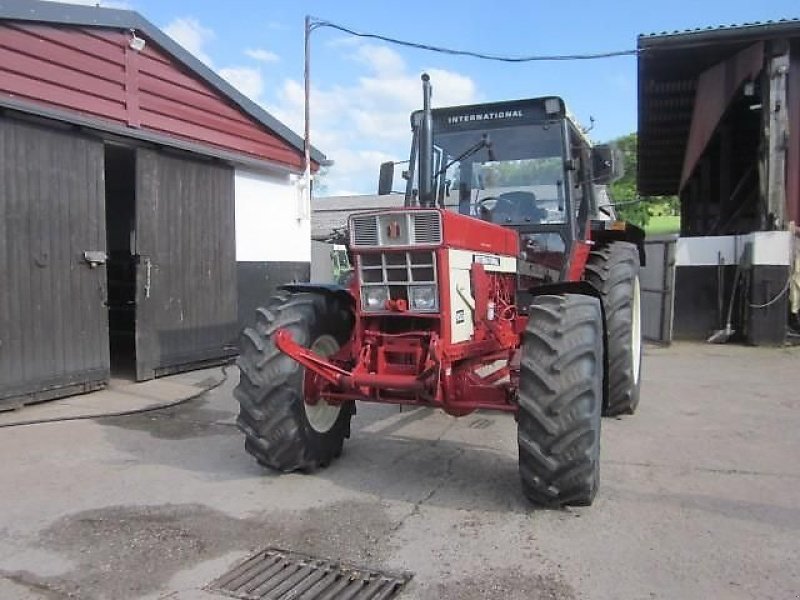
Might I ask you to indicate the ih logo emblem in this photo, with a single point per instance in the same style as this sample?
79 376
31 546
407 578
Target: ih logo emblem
393 230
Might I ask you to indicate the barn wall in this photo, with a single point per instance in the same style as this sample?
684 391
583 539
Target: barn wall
53 324
273 238
186 298
94 71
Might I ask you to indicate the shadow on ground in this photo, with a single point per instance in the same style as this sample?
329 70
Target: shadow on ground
384 462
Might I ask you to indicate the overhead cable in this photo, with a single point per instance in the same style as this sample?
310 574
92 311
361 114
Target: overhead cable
319 23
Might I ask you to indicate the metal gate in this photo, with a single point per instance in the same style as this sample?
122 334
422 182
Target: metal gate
186 271
657 281
53 319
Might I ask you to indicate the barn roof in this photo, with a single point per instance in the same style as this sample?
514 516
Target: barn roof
40 11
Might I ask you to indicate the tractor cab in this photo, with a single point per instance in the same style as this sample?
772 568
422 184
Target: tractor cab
521 164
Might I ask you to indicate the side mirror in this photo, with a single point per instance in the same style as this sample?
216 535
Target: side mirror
386 178
607 164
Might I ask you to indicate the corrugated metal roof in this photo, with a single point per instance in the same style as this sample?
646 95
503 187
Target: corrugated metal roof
717 31
40 11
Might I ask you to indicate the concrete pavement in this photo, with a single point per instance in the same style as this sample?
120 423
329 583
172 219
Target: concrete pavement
699 498
121 396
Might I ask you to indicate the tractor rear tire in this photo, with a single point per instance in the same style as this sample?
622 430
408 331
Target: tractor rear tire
613 269
281 431
560 400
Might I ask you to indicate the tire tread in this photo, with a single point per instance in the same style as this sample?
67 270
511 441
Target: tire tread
560 398
271 412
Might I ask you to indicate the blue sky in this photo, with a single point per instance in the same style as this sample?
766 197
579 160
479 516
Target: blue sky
363 90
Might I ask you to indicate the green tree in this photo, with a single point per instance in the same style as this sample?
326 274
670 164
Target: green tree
624 193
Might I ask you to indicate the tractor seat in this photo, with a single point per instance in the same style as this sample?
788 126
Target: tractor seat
517 207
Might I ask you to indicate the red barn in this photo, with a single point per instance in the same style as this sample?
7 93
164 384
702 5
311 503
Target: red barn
145 204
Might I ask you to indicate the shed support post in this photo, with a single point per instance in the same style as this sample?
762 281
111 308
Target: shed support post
777 130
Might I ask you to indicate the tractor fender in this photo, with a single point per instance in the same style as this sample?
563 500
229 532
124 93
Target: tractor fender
566 287
586 289
631 233
326 289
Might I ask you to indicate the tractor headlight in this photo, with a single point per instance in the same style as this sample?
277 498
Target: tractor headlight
422 297
374 297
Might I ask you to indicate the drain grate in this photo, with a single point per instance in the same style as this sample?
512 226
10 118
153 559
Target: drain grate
280 575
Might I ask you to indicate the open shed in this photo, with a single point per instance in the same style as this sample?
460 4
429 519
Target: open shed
146 205
719 126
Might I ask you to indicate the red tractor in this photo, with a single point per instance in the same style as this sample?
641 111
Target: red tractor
523 300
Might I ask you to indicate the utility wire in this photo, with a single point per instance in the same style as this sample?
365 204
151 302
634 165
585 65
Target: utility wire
319 23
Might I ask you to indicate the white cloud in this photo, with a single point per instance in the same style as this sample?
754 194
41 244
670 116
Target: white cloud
262 55
380 59
245 79
190 34
194 37
366 122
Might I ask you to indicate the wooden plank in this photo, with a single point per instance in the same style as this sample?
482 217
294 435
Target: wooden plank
5 258
70 58
169 125
777 133
147 201
53 326
59 96
209 120
132 87
185 319
158 92
36 69
176 76
73 38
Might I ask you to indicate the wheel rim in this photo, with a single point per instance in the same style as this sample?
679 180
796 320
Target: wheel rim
321 415
636 330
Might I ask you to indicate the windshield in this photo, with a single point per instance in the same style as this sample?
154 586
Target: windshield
510 176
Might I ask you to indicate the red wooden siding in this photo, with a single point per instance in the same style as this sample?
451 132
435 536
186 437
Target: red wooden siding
94 71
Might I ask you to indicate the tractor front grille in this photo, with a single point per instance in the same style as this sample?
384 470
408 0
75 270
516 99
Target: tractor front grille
397 274
427 228
412 228
364 231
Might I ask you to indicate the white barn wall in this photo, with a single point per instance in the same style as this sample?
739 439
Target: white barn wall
273 237
268 227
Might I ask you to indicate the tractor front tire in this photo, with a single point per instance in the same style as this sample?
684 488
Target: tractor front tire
613 269
281 430
560 400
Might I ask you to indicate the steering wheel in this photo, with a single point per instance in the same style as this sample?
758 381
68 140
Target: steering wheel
512 207
481 205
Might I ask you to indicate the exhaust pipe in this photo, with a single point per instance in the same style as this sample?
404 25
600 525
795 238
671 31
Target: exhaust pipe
426 196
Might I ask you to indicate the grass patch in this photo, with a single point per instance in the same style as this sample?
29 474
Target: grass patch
663 225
